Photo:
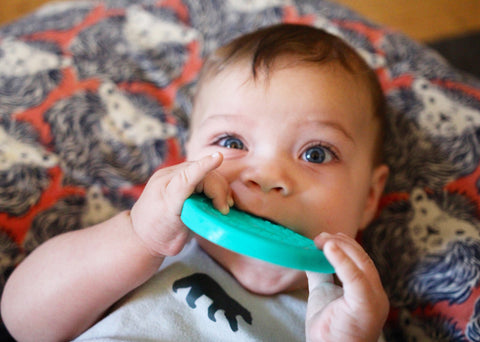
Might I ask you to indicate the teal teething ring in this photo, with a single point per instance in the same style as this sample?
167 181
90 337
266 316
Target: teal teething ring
253 236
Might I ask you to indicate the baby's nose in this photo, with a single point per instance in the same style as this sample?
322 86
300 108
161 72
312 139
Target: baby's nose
268 177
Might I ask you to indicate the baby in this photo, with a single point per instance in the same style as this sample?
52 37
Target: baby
287 125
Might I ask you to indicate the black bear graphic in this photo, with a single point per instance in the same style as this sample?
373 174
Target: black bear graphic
202 284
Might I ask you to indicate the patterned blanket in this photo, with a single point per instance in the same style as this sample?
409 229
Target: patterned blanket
96 95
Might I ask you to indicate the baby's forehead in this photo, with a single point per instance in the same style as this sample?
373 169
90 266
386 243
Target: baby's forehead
245 74
239 75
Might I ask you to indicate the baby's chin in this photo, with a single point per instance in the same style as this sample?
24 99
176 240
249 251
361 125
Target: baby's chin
256 276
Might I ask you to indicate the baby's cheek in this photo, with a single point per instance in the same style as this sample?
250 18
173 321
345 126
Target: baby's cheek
333 225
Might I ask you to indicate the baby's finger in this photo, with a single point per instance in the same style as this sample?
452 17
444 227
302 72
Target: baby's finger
354 251
322 291
322 238
216 187
363 290
355 282
316 280
187 179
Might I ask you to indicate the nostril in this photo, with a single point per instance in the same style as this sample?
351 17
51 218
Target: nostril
278 189
265 187
252 184
267 180
282 189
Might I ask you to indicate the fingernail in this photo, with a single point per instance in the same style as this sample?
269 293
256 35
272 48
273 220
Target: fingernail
225 210
216 155
230 201
333 247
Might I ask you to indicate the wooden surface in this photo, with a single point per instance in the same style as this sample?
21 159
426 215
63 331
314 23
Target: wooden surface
13 9
423 20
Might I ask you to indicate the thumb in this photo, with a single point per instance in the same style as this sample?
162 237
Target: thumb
322 291
316 280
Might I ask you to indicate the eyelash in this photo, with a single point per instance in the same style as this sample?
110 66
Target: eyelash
329 148
223 137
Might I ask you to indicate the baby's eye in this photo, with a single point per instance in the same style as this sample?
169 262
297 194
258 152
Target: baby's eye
231 142
318 154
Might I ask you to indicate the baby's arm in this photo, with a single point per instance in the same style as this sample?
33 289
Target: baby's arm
356 312
68 283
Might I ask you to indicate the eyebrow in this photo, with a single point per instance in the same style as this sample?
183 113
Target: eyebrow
219 117
336 126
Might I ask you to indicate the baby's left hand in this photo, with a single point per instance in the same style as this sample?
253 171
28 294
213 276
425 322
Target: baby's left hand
356 312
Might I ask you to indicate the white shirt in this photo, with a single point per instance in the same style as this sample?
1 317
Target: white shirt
190 298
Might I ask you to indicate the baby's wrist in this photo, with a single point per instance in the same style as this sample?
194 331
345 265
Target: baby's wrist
140 243
127 250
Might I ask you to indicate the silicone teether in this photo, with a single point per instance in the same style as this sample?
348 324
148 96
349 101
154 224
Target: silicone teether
253 236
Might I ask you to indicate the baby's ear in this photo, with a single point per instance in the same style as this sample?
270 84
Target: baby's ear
379 178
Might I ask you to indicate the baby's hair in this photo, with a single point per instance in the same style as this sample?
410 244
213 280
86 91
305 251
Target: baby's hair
303 44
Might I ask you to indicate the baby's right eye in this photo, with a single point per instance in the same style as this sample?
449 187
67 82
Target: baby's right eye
231 142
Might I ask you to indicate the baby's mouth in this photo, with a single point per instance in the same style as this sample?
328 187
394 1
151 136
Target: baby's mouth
267 219
264 217
255 212
261 207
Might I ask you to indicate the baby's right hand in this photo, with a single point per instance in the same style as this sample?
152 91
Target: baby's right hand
156 215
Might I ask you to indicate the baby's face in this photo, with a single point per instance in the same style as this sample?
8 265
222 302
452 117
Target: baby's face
298 150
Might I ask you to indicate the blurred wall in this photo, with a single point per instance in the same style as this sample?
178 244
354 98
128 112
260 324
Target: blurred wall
423 20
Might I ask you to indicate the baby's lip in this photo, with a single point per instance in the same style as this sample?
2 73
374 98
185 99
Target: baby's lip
264 217
259 206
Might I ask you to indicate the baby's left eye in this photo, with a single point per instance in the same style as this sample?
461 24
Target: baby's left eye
232 142
318 154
